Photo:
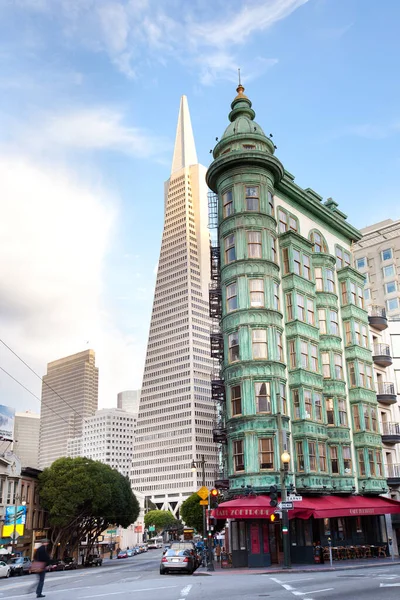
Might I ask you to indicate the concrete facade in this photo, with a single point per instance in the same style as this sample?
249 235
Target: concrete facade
26 436
129 400
69 395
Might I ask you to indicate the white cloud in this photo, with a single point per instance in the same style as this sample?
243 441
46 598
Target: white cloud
54 236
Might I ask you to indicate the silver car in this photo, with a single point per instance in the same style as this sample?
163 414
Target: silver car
177 560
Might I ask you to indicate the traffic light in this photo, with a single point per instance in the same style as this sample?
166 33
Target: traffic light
214 497
273 495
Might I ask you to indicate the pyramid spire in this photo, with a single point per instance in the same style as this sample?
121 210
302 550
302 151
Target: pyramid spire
185 149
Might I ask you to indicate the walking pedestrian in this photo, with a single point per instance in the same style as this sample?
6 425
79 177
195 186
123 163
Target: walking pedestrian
41 560
218 552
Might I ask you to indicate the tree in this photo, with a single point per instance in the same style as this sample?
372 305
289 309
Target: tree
192 513
160 519
82 498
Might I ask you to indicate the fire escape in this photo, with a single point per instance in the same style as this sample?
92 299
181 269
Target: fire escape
217 341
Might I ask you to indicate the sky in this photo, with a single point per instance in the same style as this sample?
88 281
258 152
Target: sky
89 99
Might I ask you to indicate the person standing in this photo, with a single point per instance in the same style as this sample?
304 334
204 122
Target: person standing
218 552
42 559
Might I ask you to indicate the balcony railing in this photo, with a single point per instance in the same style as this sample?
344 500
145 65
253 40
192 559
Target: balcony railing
215 300
381 355
377 317
377 311
385 388
390 428
393 471
381 350
215 262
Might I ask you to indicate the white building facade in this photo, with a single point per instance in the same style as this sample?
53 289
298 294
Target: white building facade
176 413
26 438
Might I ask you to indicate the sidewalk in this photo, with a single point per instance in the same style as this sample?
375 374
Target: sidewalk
337 566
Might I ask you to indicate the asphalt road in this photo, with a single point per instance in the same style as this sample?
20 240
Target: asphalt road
138 578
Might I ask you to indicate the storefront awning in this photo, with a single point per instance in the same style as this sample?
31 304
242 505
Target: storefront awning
319 507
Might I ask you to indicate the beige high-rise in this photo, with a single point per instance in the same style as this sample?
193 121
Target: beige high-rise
69 395
26 438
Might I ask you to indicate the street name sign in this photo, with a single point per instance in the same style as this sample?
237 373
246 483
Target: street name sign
204 502
203 492
295 498
285 505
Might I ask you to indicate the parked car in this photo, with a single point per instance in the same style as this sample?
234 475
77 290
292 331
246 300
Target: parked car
143 547
177 560
122 554
93 560
5 569
20 565
137 549
130 552
188 545
70 563
56 565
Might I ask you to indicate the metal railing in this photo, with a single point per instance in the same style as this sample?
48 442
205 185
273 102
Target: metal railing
390 428
377 311
386 388
381 350
392 471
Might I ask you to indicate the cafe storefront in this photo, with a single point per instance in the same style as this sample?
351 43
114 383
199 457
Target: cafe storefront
354 525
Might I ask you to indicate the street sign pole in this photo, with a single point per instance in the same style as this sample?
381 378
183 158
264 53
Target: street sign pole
285 515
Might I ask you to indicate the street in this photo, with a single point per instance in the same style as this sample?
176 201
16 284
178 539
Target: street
139 577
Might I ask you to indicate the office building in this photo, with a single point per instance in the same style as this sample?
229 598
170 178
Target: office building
176 414
129 400
26 438
69 395
296 380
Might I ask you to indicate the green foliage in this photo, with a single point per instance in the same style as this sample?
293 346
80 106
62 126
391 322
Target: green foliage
192 513
83 497
160 519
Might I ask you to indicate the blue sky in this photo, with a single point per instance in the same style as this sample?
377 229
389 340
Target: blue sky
89 96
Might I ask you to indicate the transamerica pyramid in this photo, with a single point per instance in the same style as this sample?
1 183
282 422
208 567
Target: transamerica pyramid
176 413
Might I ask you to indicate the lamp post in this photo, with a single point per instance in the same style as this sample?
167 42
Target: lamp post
285 459
202 463
14 538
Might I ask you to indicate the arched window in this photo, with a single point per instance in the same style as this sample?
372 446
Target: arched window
319 241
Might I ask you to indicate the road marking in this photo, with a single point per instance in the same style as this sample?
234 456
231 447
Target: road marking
287 587
302 579
390 585
128 591
295 593
276 580
186 590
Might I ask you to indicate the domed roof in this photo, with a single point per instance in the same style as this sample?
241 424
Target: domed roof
242 116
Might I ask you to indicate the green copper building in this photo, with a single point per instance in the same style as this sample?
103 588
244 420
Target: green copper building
296 370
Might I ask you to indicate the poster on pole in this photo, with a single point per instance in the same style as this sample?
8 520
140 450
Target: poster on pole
7 417
14 520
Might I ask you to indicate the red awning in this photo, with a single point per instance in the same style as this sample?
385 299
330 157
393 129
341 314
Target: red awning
319 507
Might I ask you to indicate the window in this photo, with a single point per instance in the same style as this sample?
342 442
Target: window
367 294
238 455
361 371
285 257
300 308
387 254
304 354
276 303
306 267
339 257
273 249
333 451
266 453
283 398
289 307
353 293
308 404
347 332
314 357
390 287
292 354
392 304
371 463
344 293
296 262
360 297
279 344
352 374
257 298
252 199
322 457
227 200
271 203
317 406
283 221
322 320
379 470
293 224
334 322
347 259
326 367
364 332
300 456
233 343
330 411
388 271
356 418
367 422
338 366
319 283
236 400
330 281
368 370
374 422
361 263
263 397
254 246
312 456
310 312
361 462
260 344
347 459
230 250
296 403
231 297
318 241
342 412
357 331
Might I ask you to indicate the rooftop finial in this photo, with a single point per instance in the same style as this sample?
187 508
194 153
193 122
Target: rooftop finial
240 88
240 83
